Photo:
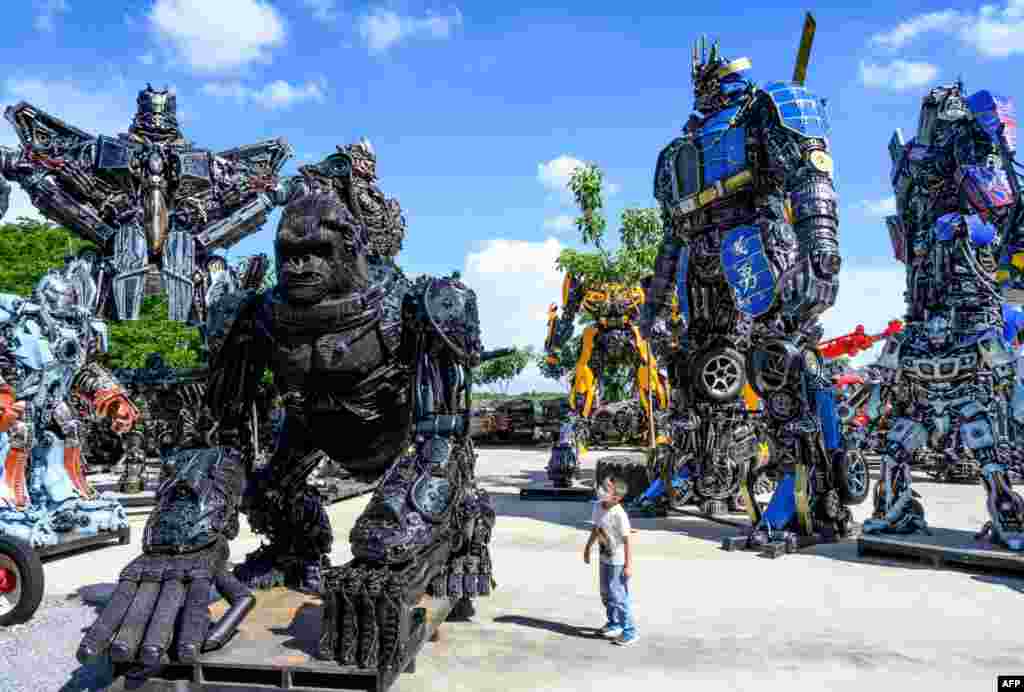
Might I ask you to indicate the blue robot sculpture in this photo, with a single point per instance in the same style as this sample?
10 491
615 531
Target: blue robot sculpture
751 250
45 344
950 375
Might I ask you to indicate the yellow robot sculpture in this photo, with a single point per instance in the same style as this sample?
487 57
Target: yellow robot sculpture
612 338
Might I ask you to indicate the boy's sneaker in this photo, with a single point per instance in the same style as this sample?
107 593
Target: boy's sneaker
610 631
627 639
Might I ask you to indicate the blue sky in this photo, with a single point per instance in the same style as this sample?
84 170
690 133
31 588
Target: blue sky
478 114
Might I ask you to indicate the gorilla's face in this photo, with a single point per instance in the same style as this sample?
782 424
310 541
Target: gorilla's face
321 249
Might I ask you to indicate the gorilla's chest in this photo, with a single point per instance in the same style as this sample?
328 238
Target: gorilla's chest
329 360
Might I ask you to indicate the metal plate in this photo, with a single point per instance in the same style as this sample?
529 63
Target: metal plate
799 110
112 155
682 288
194 166
747 270
723 147
688 169
995 115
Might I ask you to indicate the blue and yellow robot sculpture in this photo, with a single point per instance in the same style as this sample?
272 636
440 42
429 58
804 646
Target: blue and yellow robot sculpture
951 374
751 250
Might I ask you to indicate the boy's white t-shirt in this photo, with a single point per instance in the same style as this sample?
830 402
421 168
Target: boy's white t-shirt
613 528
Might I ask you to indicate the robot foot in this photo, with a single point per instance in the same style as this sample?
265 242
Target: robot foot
261 570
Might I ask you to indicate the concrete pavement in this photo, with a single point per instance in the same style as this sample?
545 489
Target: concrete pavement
824 619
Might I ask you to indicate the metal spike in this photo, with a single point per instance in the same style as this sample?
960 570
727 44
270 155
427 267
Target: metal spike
703 48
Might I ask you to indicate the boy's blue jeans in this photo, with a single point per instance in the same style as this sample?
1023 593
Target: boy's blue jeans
616 598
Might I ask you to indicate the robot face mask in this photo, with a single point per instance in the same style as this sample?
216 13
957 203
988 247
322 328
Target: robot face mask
716 80
937 331
55 294
321 249
156 112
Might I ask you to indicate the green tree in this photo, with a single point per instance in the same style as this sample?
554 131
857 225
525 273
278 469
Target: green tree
153 332
499 372
28 249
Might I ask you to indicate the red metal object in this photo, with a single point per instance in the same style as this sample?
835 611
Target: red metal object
848 378
8 580
856 341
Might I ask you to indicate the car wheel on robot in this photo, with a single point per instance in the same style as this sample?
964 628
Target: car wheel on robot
21 581
853 479
720 374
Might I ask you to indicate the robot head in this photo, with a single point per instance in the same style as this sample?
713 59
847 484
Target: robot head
364 159
938 332
716 79
942 106
156 113
55 293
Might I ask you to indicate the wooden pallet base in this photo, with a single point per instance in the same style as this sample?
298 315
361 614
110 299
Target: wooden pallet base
274 650
557 494
944 548
69 543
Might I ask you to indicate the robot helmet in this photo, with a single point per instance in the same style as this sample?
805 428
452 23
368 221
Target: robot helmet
156 112
943 105
716 79
364 159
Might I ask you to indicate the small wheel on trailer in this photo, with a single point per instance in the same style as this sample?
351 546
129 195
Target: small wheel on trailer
21 581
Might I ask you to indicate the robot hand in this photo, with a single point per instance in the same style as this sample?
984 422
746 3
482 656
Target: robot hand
162 596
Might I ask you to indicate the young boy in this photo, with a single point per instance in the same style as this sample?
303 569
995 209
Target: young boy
611 530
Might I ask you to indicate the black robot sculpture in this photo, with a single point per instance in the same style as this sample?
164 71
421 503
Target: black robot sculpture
147 198
374 372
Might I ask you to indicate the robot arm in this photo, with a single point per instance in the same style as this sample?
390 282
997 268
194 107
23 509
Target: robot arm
560 329
97 386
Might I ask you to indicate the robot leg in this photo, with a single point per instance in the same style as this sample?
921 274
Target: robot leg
179 262
897 508
131 256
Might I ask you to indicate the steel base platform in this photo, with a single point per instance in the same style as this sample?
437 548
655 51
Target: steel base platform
774 549
274 650
944 548
68 543
577 494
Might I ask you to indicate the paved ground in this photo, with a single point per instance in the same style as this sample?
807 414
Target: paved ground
730 621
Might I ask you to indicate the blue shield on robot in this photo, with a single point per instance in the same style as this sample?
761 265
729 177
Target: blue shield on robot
747 270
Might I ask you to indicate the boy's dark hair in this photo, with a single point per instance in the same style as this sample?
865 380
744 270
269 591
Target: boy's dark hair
619 485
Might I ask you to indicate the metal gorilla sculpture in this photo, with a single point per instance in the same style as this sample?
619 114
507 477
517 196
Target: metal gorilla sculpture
950 376
374 372
751 249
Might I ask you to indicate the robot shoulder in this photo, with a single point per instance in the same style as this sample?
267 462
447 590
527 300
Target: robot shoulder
666 172
447 307
796 109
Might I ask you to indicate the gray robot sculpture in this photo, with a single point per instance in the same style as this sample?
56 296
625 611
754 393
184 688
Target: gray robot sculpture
45 344
950 374
146 197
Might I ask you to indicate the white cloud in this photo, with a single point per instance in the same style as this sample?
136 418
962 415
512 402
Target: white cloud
381 28
879 207
94 110
324 11
217 36
897 75
559 224
992 31
275 95
515 282
47 11
555 174
147 59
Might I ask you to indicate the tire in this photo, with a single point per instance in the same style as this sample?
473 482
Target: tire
22 566
632 469
720 374
852 477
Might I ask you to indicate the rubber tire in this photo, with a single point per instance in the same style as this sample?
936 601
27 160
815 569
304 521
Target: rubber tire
630 468
718 397
841 471
33 581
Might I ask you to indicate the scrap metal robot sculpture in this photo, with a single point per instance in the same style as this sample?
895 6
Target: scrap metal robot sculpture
144 197
613 338
950 374
752 251
375 372
45 346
